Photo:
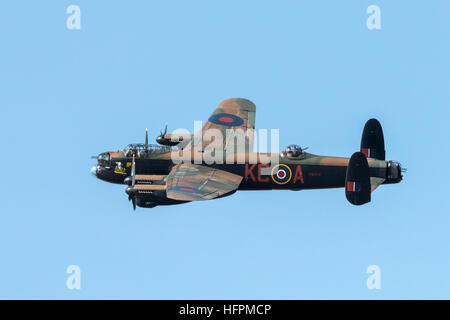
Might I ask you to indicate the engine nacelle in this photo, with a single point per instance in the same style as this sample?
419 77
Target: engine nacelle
166 140
143 203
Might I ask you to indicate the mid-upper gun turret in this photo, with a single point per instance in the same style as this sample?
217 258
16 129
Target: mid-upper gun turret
293 151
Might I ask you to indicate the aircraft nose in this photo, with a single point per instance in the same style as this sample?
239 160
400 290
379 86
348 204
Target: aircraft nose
94 171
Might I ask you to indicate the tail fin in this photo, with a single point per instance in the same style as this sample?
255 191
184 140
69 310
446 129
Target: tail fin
372 140
357 180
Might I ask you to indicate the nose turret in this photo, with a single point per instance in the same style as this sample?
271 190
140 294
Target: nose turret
103 159
104 170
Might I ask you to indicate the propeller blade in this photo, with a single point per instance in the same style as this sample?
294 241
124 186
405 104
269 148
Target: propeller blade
146 138
130 191
165 130
133 172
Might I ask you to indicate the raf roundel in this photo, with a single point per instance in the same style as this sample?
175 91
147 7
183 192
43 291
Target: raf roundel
281 174
226 119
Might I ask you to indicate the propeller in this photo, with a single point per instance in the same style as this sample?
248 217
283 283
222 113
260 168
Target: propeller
130 190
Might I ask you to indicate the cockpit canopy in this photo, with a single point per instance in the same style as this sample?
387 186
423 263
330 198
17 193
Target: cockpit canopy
142 149
292 150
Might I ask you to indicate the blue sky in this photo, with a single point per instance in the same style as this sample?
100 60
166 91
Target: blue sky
313 70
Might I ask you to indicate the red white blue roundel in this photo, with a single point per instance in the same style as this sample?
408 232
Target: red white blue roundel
226 119
281 174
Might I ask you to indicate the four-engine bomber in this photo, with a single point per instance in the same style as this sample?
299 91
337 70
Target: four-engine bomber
153 178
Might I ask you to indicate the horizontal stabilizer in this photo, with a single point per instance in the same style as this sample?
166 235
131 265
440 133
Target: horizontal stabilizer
357 180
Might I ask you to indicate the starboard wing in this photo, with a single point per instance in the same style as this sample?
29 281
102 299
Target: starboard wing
232 115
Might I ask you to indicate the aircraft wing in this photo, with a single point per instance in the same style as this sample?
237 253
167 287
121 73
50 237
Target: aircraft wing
234 113
192 182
